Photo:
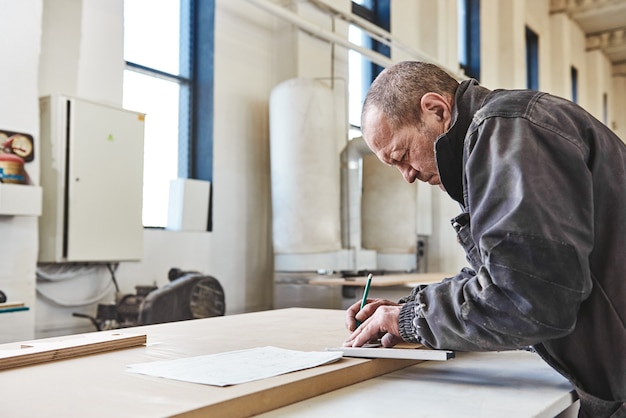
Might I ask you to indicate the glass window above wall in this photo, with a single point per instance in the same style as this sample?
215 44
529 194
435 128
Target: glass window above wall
362 71
369 4
152 34
167 42
356 87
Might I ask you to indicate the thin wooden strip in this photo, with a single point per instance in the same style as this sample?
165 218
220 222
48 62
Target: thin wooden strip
37 352
13 304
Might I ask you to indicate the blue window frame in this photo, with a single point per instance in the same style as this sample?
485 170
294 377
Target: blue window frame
532 59
377 12
574 79
469 37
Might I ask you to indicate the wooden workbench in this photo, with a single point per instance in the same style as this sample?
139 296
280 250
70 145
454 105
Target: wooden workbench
98 385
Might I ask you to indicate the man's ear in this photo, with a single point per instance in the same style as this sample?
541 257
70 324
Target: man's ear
437 105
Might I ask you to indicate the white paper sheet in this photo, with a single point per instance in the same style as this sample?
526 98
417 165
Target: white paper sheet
235 367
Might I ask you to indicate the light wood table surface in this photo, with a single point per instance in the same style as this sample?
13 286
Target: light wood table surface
98 385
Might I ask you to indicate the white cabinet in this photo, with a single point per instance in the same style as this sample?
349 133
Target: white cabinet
92 179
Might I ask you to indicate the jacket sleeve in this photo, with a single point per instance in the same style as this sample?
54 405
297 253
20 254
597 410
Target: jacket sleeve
529 194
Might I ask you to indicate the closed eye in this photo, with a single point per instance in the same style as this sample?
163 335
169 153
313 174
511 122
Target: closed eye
397 157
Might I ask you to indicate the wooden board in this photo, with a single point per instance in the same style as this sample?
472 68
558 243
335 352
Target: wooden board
13 304
35 352
386 280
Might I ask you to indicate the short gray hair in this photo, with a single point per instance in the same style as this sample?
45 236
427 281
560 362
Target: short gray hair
398 90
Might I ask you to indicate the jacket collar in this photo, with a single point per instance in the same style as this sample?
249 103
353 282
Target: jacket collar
469 97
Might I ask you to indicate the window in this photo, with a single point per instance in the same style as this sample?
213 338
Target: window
363 71
574 78
469 37
532 59
166 44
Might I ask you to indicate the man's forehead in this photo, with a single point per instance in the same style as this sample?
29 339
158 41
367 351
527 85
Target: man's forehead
376 129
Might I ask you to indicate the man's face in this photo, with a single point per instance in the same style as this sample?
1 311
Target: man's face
410 149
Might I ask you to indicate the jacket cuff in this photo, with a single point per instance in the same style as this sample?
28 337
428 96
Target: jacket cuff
408 331
413 295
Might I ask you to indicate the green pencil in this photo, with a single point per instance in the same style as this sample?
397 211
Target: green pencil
365 292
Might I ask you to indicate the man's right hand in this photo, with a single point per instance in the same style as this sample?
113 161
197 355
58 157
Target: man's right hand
379 319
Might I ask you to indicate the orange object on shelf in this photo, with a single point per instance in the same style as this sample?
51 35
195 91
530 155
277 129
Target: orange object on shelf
12 169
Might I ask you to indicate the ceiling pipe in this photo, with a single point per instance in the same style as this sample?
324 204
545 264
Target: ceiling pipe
369 28
320 32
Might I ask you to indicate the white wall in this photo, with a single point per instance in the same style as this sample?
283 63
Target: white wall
245 64
82 49
19 112
501 41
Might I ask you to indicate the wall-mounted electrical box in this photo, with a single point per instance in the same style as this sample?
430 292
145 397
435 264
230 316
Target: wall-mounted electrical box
92 180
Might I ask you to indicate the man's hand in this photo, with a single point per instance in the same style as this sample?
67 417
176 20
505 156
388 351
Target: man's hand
379 319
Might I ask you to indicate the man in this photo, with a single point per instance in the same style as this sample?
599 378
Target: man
542 189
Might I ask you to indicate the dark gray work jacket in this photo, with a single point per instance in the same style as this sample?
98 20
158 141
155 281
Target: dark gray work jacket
542 186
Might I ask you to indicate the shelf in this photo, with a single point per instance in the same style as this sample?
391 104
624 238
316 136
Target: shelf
20 200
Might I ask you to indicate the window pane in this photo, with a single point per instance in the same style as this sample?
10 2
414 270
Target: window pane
462 33
355 68
469 37
365 3
152 33
159 99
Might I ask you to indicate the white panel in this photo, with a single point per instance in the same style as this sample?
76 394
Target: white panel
424 209
105 181
305 168
188 208
388 209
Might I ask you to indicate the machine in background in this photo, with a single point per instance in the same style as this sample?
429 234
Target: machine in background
188 295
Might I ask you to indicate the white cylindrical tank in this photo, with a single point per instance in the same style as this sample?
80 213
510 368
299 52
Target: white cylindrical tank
388 213
304 168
